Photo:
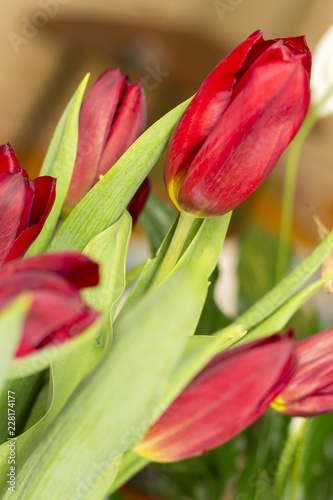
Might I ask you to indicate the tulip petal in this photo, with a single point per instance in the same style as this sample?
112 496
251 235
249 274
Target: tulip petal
128 124
76 268
96 116
203 113
138 201
232 391
58 311
247 142
310 391
8 161
40 208
299 42
13 189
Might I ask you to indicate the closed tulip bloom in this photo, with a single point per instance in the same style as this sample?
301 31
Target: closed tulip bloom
238 124
232 391
58 311
24 205
310 391
112 117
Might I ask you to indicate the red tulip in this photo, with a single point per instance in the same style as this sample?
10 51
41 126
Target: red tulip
112 117
24 205
310 391
58 311
232 391
237 126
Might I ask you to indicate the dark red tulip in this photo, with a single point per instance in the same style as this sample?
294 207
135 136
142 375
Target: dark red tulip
310 391
232 391
235 129
58 311
138 201
112 117
24 205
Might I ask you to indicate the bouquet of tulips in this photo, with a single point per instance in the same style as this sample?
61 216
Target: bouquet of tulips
105 369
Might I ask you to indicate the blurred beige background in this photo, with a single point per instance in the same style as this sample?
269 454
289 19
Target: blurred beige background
48 45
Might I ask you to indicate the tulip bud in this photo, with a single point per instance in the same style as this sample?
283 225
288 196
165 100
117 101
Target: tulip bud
112 117
310 390
24 205
322 73
232 391
238 124
58 311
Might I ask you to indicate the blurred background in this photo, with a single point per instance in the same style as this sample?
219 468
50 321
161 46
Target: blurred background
48 45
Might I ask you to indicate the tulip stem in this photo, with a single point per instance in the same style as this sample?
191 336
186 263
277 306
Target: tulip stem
288 477
183 227
290 185
289 193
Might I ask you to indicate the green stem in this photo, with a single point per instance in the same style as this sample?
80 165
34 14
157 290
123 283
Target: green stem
183 227
289 192
290 184
288 477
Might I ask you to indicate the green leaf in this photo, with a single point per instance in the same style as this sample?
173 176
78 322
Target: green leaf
278 320
152 266
114 407
212 318
284 290
12 318
107 200
156 219
78 356
148 272
109 249
59 162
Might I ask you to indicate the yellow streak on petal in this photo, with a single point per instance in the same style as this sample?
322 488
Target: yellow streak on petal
149 453
278 404
173 190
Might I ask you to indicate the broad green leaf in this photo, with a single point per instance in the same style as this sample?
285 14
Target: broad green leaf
59 162
11 325
156 219
109 249
278 320
198 352
148 272
66 371
107 200
121 396
152 265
